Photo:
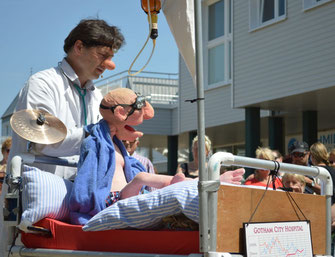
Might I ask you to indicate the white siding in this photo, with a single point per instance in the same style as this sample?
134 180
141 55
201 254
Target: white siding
160 124
175 121
291 57
6 129
187 90
218 109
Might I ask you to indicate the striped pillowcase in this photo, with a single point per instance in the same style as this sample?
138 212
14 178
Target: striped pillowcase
146 211
43 195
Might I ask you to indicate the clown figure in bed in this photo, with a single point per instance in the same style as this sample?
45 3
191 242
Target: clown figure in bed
106 172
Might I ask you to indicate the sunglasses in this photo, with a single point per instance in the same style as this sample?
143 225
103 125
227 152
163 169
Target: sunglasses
138 105
298 155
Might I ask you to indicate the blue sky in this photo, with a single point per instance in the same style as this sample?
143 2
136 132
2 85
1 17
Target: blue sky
32 33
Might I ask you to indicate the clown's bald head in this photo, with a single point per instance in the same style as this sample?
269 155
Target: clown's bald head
122 109
118 96
126 98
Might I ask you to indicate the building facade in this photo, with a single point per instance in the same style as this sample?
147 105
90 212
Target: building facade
269 74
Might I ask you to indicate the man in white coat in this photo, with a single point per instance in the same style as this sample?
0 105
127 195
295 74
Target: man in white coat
67 92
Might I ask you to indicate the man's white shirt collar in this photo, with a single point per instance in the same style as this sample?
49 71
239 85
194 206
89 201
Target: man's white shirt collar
72 76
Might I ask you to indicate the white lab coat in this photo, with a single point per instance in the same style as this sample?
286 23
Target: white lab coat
52 90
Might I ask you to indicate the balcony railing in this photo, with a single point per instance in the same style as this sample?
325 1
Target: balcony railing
161 88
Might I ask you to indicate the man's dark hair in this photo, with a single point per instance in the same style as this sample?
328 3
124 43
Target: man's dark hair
94 32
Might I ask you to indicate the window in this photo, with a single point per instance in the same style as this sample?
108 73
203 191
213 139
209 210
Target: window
234 149
308 4
266 12
216 64
216 20
218 43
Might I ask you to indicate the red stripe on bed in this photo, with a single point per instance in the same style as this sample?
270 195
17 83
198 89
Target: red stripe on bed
72 237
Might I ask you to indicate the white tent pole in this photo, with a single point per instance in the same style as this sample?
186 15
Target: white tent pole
203 174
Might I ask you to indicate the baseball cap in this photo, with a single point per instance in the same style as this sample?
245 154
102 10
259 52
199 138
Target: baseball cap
299 147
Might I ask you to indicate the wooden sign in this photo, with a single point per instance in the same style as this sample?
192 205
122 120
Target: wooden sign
236 205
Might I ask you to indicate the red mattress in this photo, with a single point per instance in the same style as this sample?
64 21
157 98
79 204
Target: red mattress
72 237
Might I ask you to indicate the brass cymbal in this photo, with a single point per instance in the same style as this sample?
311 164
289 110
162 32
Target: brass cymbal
38 126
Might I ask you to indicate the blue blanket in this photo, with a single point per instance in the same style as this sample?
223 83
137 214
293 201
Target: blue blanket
95 173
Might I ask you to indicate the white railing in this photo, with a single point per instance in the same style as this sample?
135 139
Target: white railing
208 196
160 88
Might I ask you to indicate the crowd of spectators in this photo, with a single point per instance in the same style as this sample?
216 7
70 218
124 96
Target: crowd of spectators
299 154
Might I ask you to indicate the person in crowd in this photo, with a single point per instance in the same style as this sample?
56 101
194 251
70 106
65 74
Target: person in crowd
296 182
67 91
331 157
147 164
106 172
300 153
319 157
277 155
288 157
300 156
191 169
263 177
131 149
279 158
5 149
333 223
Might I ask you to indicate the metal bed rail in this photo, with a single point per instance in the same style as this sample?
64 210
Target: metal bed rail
22 251
209 188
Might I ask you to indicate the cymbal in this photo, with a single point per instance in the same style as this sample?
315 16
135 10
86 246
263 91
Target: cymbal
38 126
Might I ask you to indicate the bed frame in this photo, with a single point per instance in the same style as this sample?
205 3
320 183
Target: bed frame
221 218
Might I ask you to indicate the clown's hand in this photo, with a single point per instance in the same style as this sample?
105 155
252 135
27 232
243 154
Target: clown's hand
233 176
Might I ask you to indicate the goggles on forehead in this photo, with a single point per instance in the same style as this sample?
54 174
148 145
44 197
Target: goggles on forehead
138 105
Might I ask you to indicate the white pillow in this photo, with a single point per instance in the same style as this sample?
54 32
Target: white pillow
147 210
43 195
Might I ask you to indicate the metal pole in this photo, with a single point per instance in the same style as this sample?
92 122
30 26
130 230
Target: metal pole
55 161
214 180
328 226
20 251
203 174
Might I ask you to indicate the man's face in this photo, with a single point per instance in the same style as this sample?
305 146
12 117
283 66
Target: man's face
130 146
5 153
300 158
195 150
94 61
